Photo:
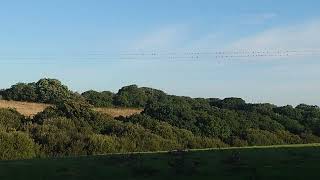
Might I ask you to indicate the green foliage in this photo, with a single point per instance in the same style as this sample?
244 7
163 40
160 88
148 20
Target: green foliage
310 118
16 145
310 138
1 93
256 137
291 125
60 137
174 110
229 103
130 96
74 108
10 119
99 99
289 111
102 144
237 142
21 92
70 108
133 96
51 91
79 111
289 138
45 91
134 137
212 126
182 138
71 127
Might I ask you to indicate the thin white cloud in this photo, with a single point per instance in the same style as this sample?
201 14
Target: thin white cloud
207 42
302 36
168 37
259 18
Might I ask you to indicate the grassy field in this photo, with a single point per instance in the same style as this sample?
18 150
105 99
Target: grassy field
116 112
279 162
30 109
26 108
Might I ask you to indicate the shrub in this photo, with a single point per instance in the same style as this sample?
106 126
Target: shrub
60 137
310 138
256 137
10 118
21 92
44 91
237 142
51 91
229 103
99 99
16 145
289 138
130 96
102 144
133 96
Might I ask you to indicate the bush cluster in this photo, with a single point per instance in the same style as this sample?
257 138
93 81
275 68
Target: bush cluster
71 127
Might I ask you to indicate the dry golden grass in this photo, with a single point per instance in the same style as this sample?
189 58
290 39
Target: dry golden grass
30 109
116 112
25 108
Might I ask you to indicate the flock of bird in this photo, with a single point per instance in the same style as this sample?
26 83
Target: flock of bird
223 54
161 55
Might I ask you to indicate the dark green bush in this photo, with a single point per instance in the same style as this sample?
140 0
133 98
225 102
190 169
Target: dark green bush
133 96
256 137
45 91
72 127
130 96
21 92
60 137
16 145
10 119
99 99
102 144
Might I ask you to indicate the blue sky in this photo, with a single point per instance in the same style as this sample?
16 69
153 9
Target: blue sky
60 39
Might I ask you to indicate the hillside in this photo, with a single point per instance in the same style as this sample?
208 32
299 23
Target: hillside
77 125
29 109
264 163
26 108
117 112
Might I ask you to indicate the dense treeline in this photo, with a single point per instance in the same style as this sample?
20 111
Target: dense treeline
72 129
168 122
52 91
44 91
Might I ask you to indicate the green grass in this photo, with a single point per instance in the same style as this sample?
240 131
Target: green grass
276 162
